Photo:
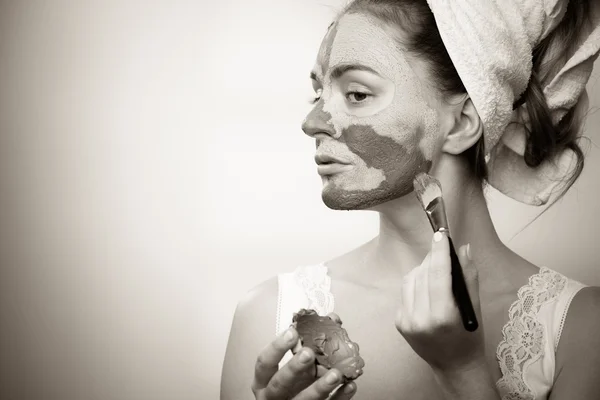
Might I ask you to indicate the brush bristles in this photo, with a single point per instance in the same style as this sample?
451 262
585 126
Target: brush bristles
427 188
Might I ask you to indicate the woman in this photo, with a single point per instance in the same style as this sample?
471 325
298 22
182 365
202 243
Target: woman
402 87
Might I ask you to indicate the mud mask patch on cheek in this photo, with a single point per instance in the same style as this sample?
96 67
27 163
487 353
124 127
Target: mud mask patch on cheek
387 173
397 161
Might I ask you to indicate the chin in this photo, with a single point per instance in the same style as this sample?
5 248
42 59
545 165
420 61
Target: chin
339 199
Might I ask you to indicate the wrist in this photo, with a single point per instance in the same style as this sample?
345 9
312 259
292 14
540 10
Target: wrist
473 366
472 381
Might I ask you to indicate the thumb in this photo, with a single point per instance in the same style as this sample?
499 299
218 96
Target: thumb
470 272
440 270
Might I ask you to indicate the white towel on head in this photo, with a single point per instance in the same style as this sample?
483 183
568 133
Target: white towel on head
491 43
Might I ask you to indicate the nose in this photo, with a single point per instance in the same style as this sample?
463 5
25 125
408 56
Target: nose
318 121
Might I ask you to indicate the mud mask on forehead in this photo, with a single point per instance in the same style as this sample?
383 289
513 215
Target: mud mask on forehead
398 104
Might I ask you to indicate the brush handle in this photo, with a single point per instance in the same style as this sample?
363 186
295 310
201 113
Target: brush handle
461 294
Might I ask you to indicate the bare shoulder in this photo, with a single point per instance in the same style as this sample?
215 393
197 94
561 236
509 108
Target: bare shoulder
258 305
252 329
577 355
582 321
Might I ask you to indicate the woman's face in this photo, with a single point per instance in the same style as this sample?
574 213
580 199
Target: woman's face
374 122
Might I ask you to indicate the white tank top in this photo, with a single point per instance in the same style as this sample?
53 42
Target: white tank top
526 354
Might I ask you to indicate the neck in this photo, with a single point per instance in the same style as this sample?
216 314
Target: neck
405 233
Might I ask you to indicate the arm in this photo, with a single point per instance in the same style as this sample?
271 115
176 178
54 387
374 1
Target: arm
252 328
429 320
578 353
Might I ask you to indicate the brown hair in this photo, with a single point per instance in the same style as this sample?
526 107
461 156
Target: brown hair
422 38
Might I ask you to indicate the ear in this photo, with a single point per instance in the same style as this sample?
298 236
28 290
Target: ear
466 129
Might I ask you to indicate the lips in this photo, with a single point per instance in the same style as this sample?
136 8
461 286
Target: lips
321 159
330 165
333 168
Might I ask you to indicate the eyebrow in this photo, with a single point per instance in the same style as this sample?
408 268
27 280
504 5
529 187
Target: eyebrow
340 70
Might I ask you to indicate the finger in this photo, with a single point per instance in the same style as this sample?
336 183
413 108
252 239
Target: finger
320 371
443 307
322 388
408 291
426 261
421 295
344 392
267 362
404 313
298 371
440 273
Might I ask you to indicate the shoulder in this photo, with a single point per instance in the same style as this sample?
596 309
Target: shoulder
253 327
582 319
256 312
577 358
260 300
586 301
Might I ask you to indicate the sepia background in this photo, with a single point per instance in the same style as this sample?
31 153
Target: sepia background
152 170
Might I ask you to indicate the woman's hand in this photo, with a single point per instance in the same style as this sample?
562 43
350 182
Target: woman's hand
296 379
428 317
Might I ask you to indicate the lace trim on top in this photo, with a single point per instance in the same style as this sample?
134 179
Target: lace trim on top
316 284
523 335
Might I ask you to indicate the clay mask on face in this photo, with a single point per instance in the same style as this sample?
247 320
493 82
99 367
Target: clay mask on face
376 108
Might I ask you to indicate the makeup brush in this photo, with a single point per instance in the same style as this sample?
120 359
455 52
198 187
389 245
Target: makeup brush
429 192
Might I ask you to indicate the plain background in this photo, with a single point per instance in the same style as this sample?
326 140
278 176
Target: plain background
153 170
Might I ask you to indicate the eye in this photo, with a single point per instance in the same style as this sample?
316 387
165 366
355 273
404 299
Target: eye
357 97
317 97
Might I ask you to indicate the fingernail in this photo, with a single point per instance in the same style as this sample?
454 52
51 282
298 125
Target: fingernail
469 251
288 336
348 388
304 357
332 377
438 236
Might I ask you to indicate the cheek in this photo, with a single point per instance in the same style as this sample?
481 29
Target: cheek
397 161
